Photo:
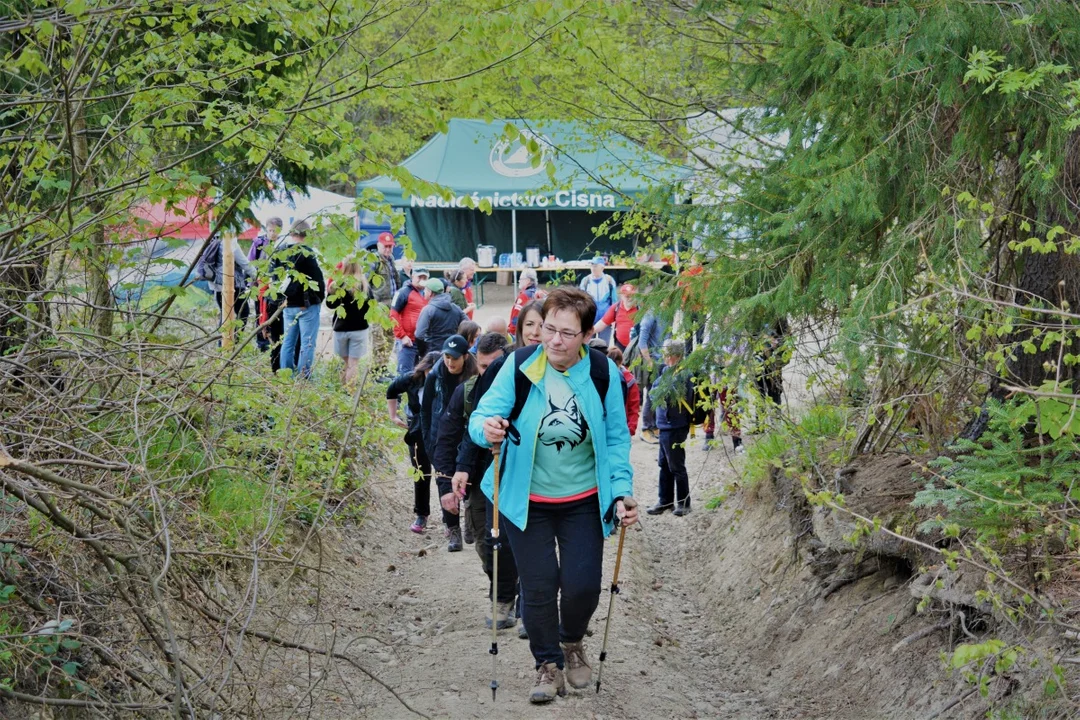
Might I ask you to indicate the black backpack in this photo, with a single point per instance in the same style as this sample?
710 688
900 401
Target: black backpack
697 405
598 373
206 269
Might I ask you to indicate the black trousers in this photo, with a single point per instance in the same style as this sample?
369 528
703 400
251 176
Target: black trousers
674 481
559 590
481 512
241 307
422 487
771 386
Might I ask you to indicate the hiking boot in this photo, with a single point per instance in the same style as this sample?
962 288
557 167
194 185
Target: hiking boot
659 508
454 542
650 435
549 683
504 616
578 672
523 634
419 525
682 508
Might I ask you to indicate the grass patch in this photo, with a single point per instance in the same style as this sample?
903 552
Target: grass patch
237 506
821 436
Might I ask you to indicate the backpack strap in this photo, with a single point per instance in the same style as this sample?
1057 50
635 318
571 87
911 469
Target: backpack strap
600 376
598 373
470 391
521 383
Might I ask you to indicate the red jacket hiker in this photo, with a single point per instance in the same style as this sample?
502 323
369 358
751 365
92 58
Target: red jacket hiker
524 298
405 311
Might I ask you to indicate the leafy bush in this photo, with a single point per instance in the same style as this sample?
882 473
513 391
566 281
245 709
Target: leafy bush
1012 487
822 435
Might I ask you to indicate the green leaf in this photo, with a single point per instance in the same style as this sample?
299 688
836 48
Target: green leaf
966 654
75 7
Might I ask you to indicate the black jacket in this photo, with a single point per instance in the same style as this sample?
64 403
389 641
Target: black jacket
356 308
306 285
438 389
438 320
472 458
452 427
408 385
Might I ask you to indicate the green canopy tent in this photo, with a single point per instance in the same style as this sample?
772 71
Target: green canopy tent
595 176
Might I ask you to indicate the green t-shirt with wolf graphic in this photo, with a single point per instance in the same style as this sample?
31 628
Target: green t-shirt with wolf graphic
564 463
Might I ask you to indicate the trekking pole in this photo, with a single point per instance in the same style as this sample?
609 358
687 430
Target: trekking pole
495 577
611 604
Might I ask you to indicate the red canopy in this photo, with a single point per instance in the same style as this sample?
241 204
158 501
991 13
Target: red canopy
188 219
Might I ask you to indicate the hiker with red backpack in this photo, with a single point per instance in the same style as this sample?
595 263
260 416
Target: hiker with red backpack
405 310
632 392
556 415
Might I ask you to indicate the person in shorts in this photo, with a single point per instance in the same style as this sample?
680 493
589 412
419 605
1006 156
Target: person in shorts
350 303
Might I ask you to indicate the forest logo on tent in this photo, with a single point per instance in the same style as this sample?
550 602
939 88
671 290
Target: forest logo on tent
512 158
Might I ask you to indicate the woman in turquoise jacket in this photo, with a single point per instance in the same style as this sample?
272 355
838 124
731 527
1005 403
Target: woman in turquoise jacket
566 481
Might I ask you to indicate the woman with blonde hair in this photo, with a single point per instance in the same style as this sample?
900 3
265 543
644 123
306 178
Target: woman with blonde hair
350 302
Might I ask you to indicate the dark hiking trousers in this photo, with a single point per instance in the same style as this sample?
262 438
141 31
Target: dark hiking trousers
674 482
508 573
422 487
478 518
573 573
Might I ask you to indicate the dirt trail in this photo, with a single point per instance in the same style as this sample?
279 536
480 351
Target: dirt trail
425 610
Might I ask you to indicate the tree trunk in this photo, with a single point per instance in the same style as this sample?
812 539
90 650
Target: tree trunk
1047 280
1044 280
96 264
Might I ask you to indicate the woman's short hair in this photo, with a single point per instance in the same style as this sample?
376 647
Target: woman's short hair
674 348
576 301
616 355
490 342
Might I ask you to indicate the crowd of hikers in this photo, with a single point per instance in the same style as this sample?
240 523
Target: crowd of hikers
556 391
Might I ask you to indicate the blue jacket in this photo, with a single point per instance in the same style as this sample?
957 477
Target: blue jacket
610 437
604 292
652 335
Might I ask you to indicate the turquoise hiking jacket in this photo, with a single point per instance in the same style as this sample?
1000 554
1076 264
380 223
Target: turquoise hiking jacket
610 437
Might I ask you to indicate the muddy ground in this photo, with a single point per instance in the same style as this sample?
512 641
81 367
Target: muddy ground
720 616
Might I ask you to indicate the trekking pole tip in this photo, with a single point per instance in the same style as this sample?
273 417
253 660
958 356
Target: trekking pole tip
597 687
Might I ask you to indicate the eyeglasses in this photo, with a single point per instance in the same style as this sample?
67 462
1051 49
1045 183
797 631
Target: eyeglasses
565 334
